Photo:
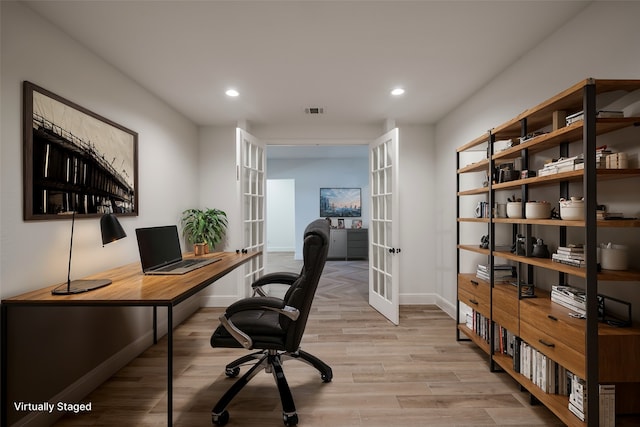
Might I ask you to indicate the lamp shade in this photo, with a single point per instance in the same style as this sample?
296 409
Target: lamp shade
111 229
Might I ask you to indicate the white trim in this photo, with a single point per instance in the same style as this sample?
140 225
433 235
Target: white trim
218 300
429 299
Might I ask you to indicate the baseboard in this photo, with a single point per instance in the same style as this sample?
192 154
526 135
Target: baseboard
217 300
417 299
446 306
429 299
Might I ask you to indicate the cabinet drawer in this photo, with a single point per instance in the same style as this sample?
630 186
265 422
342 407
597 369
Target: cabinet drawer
553 348
474 293
474 286
555 321
505 306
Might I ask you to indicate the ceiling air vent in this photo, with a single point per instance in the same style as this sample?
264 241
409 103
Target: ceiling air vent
314 110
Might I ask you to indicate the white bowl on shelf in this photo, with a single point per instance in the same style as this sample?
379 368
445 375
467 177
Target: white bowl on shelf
572 209
613 257
514 209
537 210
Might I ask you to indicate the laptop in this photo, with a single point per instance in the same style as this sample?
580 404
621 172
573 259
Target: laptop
160 252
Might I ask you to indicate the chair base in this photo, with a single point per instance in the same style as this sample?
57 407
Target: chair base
271 361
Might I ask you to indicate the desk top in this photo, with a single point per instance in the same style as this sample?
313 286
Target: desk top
131 287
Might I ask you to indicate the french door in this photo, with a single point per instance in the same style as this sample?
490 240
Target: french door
384 238
251 178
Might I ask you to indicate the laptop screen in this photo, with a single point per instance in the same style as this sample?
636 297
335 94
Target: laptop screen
158 246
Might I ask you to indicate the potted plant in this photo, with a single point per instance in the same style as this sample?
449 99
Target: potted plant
204 228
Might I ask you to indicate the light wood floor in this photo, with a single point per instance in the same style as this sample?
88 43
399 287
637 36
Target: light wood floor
415 374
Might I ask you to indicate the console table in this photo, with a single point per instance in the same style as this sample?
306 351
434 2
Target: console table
129 288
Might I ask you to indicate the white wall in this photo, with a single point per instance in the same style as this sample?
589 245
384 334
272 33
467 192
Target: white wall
281 215
34 254
310 175
600 42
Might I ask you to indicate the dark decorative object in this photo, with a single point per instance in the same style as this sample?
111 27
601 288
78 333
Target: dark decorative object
340 202
111 231
75 160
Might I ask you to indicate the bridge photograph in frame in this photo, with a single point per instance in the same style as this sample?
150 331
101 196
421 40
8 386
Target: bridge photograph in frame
75 160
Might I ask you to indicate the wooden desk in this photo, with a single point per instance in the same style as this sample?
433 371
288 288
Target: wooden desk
129 288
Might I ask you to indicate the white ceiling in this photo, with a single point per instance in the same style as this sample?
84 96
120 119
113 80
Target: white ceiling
284 56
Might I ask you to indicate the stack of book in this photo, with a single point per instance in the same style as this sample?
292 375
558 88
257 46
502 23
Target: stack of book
562 165
477 322
501 272
607 405
570 255
603 214
602 114
545 373
578 397
572 298
601 157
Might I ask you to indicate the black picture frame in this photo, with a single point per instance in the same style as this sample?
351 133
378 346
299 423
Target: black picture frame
340 202
75 160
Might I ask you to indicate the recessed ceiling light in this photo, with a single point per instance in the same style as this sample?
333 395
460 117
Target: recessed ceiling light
397 91
232 93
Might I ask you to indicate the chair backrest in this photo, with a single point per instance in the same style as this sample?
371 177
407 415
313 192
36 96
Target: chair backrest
300 294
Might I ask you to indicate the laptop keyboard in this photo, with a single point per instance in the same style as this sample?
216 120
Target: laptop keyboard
181 264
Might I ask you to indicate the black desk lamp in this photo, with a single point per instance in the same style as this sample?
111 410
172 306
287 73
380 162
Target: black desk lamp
111 231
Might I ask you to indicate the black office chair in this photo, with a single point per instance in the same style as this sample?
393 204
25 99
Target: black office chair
274 326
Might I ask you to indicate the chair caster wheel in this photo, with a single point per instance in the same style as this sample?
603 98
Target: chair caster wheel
220 419
326 378
232 372
290 420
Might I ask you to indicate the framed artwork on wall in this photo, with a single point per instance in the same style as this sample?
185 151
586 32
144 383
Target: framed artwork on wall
75 160
340 202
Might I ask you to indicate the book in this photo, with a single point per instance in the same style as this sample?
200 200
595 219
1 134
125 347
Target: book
571 262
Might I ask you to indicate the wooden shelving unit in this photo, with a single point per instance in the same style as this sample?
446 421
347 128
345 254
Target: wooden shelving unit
592 350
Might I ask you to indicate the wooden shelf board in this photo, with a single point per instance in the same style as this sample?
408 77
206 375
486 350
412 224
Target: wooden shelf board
479 166
474 191
476 142
605 275
484 346
602 174
614 223
475 248
483 220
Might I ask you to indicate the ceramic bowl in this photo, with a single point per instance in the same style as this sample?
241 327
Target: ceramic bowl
537 210
514 209
572 209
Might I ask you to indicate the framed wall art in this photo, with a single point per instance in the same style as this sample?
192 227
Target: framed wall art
75 160
340 202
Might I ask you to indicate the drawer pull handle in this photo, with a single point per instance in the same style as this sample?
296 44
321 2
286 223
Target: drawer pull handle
552 317
472 301
474 283
547 344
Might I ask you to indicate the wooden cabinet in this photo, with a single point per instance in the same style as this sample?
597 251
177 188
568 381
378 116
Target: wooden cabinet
587 347
348 243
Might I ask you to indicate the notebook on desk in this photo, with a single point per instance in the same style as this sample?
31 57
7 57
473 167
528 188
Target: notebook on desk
160 252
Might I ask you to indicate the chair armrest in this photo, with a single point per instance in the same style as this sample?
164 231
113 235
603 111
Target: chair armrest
284 278
244 339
